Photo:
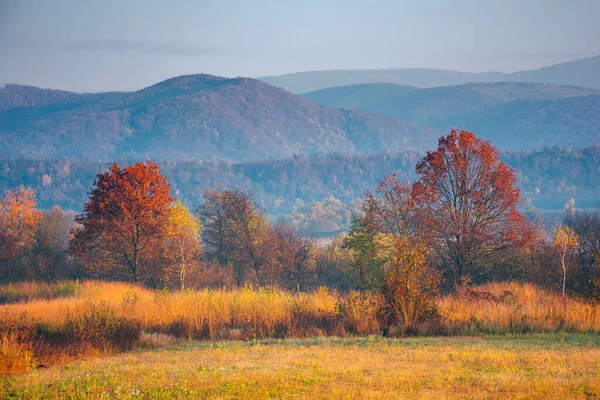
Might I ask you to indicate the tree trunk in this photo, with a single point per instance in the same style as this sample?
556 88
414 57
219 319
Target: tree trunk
458 273
564 267
182 273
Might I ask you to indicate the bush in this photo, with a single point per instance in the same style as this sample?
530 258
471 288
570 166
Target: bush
359 312
99 329
67 289
408 290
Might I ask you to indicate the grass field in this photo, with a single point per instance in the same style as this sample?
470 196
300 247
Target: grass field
113 340
540 366
50 325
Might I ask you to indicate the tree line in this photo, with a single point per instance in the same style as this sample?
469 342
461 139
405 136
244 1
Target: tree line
457 223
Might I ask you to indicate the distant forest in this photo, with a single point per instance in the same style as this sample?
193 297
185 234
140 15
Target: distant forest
547 178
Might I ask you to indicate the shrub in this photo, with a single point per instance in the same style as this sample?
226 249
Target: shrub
359 311
9 294
67 289
27 291
98 328
409 288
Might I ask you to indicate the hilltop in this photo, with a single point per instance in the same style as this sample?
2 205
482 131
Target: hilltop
194 116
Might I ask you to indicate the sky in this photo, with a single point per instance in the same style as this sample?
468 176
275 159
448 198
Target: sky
92 45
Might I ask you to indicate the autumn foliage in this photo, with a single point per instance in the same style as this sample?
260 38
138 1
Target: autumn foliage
457 216
240 238
408 280
468 202
123 226
409 242
18 220
458 223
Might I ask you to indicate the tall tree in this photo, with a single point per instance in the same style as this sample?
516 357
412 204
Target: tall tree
388 216
122 226
249 229
586 225
236 231
48 256
290 256
391 209
468 201
216 231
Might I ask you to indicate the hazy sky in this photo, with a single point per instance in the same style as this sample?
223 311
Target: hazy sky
129 44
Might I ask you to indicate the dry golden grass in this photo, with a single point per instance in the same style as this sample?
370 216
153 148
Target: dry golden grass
23 291
524 308
102 317
205 312
529 367
518 308
15 356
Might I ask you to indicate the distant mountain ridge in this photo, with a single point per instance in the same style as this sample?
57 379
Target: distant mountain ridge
193 116
582 72
511 114
536 124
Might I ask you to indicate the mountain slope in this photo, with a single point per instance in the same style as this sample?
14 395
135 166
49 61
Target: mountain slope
585 72
478 106
579 73
573 122
304 82
195 116
435 106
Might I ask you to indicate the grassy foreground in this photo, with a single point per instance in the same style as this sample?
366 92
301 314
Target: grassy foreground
530 366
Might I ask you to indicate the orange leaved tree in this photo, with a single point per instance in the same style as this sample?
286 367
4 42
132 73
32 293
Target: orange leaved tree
468 202
18 220
123 226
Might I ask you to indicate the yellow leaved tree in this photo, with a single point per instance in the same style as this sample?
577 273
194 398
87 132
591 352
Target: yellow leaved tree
565 241
183 239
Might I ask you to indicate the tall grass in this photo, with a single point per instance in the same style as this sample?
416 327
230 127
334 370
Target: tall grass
518 308
15 355
23 291
104 317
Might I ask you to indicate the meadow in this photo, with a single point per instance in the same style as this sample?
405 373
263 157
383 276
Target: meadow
43 325
542 366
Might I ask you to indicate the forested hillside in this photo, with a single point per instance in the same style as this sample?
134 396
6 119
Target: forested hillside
512 115
549 177
192 117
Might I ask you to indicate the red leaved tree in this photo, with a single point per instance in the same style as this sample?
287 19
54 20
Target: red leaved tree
123 226
468 202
